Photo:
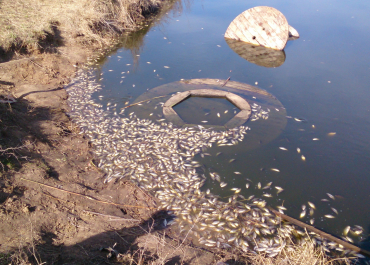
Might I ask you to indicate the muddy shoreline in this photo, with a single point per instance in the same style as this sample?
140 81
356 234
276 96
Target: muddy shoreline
54 207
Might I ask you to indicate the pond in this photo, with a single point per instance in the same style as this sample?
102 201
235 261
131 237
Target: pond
321 155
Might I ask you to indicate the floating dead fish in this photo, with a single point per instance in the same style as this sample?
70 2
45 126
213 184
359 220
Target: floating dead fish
223 184
237 173
329 216
332 133
315 139
259 185
312 221
330 196
247 185
236 190
298 150
311 211
232 160
299 120
303 158
226 111
279 189
275 169
346 230
204 121
311 205
166 66
218 115
334 210
283 148
267 195
303 214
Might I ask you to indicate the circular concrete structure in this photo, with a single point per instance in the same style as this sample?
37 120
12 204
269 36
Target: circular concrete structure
262 131
238 120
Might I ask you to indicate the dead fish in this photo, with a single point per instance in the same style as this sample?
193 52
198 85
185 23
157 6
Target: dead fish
226 111
259 185
206 114
279 189
312 221
267 195
219 153
298 150
303 214
324 200
334 210
236 190
311 205
166 66
247 185
204 121
283 148
232 160
223 184
315 139
311 211
329 216
303 158
237 173
298 119
330 196
332 133
346 230
280 207
275 169
218 115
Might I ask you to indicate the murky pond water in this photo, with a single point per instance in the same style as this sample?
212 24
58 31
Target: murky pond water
323 85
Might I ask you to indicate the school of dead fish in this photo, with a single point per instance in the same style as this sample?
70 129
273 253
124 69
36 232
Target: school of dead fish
159 157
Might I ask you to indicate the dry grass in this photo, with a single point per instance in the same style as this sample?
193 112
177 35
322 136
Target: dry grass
29 23
303 253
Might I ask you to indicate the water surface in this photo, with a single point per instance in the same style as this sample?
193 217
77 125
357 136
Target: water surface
324 80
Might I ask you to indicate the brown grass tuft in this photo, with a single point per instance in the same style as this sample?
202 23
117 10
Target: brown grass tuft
27 24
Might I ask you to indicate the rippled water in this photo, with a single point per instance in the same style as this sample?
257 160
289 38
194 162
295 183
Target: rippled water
324 81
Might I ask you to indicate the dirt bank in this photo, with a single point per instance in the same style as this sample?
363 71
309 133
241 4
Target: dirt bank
54 207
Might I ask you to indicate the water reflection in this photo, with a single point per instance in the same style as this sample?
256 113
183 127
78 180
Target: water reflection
259 55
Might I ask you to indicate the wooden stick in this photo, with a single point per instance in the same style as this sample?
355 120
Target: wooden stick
87 196
112 216
227 80
321 233
142 101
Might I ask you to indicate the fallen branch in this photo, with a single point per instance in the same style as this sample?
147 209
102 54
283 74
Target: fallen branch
227 80
87 196
112 216
321 233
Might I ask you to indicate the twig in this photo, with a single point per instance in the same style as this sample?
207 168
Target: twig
87 196
227 80
142 101
321 233
107 215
